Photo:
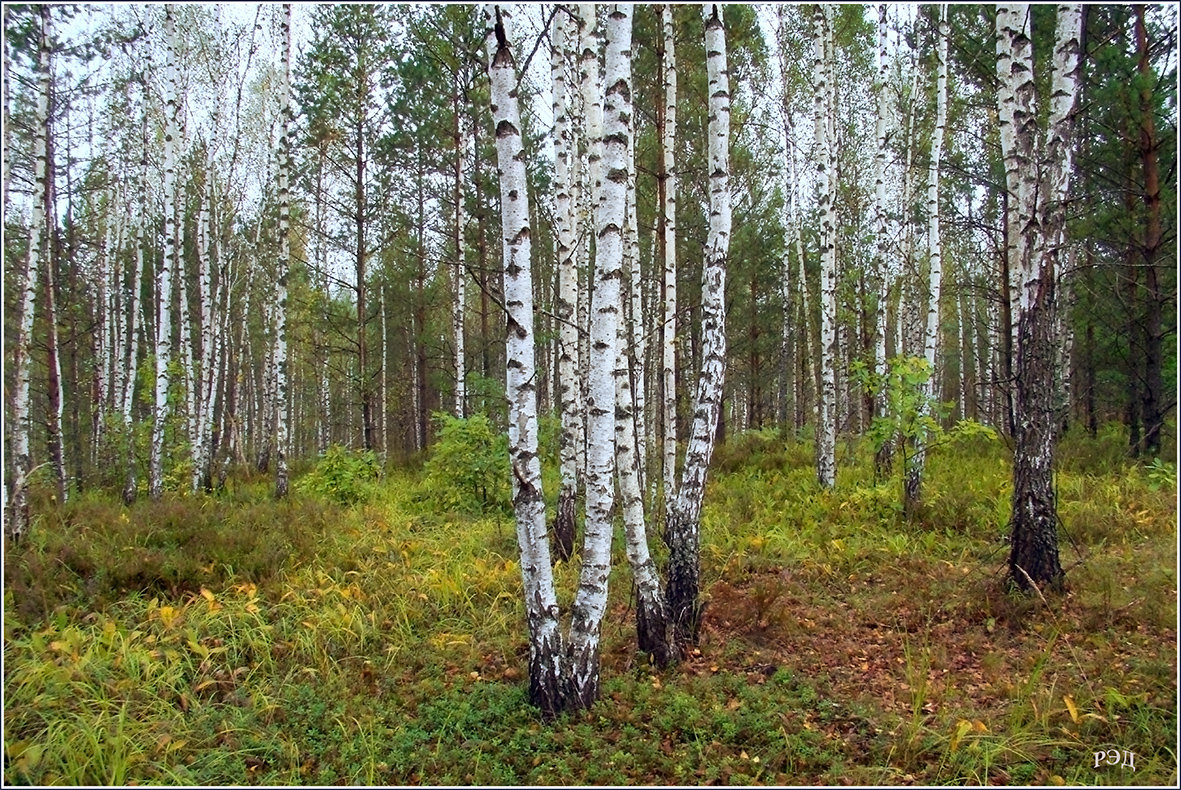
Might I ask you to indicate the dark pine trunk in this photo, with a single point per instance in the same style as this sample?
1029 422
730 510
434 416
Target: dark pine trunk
1152 394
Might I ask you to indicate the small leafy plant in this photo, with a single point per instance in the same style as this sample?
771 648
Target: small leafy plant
468 470
343 476
912 416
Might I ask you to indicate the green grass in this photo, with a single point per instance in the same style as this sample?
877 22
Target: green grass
234 640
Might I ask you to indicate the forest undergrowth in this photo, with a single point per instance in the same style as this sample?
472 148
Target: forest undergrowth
379 638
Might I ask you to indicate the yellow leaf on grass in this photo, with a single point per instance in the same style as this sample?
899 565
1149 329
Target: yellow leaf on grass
962 728
1070 706
207 595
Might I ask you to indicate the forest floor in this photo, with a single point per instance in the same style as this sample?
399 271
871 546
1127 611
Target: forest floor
235 640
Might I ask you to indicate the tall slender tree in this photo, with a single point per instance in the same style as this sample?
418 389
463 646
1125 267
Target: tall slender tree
282 368
683 521
17 520
566 222
667 184
826 188
917 460
546 651
591 602
163 348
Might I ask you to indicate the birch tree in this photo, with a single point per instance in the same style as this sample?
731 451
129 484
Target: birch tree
17 520
163 347
458 274
826 182
546 651
683 520
591 601
282 369
566 221
667 230
881 224
1038 181
916 462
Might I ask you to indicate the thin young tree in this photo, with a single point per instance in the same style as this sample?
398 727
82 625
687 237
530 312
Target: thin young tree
458 272
282 369
667 185
881 224
917 460
17 520
683 521
163 347
566 221
826 183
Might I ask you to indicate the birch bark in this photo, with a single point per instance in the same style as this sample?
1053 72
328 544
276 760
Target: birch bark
458 275
684 515
282 371
826 402
1041 176
541 603
917 461
590 603
566 221
881 223
163 349
668 216
22 466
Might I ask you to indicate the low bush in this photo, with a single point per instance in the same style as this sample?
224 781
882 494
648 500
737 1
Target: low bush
343 476
468 469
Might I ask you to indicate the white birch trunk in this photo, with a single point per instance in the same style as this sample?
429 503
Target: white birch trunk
1042 196
566 221
880 279
202 471
282 370
929 388
7 130
651 608
459 276
684 517
541 603
134 310
22 466
634 310
787 283
1018 125
591 601
909 326
668 352
591 96
826 400
163 349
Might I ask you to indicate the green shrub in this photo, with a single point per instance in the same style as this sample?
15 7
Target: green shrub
468 469
342 476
